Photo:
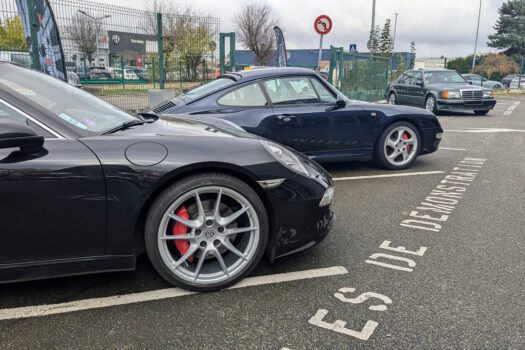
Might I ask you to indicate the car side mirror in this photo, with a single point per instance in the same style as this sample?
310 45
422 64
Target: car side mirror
469 81
419 83
14 134
338 105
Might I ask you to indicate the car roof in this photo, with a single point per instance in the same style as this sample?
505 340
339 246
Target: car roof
247 75
434 70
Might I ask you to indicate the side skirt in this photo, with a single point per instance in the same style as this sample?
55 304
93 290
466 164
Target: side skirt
18 272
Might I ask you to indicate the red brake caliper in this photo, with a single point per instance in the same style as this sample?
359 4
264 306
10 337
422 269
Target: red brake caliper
181 229
405 138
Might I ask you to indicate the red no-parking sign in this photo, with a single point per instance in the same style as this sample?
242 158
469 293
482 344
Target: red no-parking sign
323 25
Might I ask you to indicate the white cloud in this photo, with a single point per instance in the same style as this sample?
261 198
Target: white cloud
439 27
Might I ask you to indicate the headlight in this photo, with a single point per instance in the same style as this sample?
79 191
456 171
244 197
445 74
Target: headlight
488 94
450 94
285 157
327 197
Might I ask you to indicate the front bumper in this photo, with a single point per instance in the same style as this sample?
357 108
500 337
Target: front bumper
298 219
465 105
431 140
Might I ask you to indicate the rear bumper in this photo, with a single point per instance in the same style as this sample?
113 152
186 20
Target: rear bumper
462 105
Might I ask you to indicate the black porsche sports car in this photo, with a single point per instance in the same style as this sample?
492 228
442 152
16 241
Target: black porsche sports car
298 108
85 187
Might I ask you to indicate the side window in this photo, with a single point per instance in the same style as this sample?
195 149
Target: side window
409 80
418 78
286 91
246 96
402 79
325 95
9 114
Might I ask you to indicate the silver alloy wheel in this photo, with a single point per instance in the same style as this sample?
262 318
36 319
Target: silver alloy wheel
392 99
431 104
222 233
401 146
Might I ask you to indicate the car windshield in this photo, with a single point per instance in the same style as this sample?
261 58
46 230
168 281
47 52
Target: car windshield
443 77
207 88
87 113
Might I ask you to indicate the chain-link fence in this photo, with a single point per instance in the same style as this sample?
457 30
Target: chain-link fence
112 51
359 76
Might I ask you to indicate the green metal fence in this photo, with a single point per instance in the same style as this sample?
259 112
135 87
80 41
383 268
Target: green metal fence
359 76
114 50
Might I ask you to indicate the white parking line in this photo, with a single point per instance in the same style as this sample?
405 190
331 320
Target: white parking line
386 175
511 108
452 149
97 303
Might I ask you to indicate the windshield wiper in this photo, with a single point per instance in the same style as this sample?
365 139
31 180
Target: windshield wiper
128 124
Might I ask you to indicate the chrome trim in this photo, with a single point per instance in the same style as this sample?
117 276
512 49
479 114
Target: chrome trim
269 184
39 123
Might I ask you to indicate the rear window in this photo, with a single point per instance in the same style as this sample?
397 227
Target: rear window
212 86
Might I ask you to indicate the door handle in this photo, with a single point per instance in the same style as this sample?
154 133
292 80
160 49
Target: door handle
286 118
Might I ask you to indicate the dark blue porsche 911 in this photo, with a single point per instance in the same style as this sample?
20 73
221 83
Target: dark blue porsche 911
296 107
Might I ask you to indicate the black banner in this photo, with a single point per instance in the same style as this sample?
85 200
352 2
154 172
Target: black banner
50 52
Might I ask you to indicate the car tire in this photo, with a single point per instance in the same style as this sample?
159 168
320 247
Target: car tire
219 251
431 104
481 112
391 149
392 98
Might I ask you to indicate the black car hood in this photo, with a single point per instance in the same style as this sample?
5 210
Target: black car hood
175 126
445 86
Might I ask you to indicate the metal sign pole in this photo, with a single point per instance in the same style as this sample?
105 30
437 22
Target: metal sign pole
320 53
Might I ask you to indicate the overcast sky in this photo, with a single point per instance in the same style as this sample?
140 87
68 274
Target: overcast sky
439 27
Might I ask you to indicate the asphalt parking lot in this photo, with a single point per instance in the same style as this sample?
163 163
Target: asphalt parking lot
431 257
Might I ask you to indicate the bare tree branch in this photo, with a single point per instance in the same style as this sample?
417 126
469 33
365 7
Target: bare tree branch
255 27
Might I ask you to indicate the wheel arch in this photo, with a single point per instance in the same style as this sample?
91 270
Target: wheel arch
196 169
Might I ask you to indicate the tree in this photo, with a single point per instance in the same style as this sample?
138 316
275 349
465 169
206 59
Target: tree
401 67
385 40
255 27
83 33
187 35
461 64
495 66
373 41
191 35
12 35
510 28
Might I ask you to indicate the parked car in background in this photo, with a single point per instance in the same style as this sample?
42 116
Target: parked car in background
73 79
86 187
141 73
98 73
82 73
514 83
298 108
476 79
437 90
129 74
507 79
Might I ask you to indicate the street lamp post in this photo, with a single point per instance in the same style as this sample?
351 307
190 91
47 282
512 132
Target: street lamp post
477 33
373 16
395 30
97 28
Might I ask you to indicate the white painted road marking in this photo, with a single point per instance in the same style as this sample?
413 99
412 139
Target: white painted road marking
485 130
511 108
97 303
386 175
452 149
